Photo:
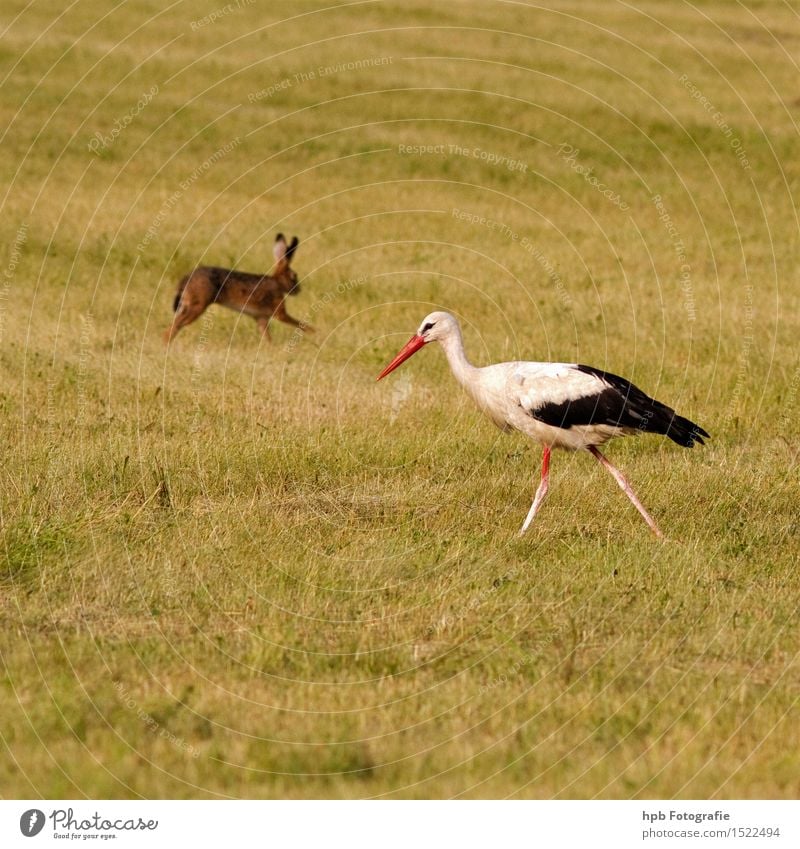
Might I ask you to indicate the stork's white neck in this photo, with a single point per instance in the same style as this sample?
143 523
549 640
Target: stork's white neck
462 368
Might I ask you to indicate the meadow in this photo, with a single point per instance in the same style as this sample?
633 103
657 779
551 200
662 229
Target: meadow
242 569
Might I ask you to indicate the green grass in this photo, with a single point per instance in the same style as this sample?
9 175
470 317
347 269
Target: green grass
243 570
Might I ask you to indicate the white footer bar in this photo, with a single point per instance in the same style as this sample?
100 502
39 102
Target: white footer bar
401 824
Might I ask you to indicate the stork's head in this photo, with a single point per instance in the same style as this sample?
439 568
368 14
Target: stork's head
436 327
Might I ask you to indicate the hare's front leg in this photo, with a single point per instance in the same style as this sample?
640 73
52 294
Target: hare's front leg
282 315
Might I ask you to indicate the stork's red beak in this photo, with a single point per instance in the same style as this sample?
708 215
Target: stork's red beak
411 347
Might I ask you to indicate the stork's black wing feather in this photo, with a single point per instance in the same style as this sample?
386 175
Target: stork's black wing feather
619 403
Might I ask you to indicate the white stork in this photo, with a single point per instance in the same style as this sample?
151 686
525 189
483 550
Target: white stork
561 405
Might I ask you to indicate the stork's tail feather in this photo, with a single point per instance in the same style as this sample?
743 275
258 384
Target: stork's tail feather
637 411
685 432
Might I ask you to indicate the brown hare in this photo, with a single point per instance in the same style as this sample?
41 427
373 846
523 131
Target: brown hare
259 295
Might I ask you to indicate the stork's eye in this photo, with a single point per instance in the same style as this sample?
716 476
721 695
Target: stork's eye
427 326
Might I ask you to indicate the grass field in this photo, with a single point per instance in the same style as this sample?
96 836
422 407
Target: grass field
237 569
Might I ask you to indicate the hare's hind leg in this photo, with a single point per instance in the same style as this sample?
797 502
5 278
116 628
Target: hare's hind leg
185 314
196 293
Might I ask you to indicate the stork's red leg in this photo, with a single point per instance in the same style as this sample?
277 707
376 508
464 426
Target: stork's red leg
626 488
541 491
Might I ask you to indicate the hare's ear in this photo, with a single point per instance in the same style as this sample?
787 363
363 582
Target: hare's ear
279 248
292 248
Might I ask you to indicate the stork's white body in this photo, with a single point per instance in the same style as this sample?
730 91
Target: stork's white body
505 392
561 405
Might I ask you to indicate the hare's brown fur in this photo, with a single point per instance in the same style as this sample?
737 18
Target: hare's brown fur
261 296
